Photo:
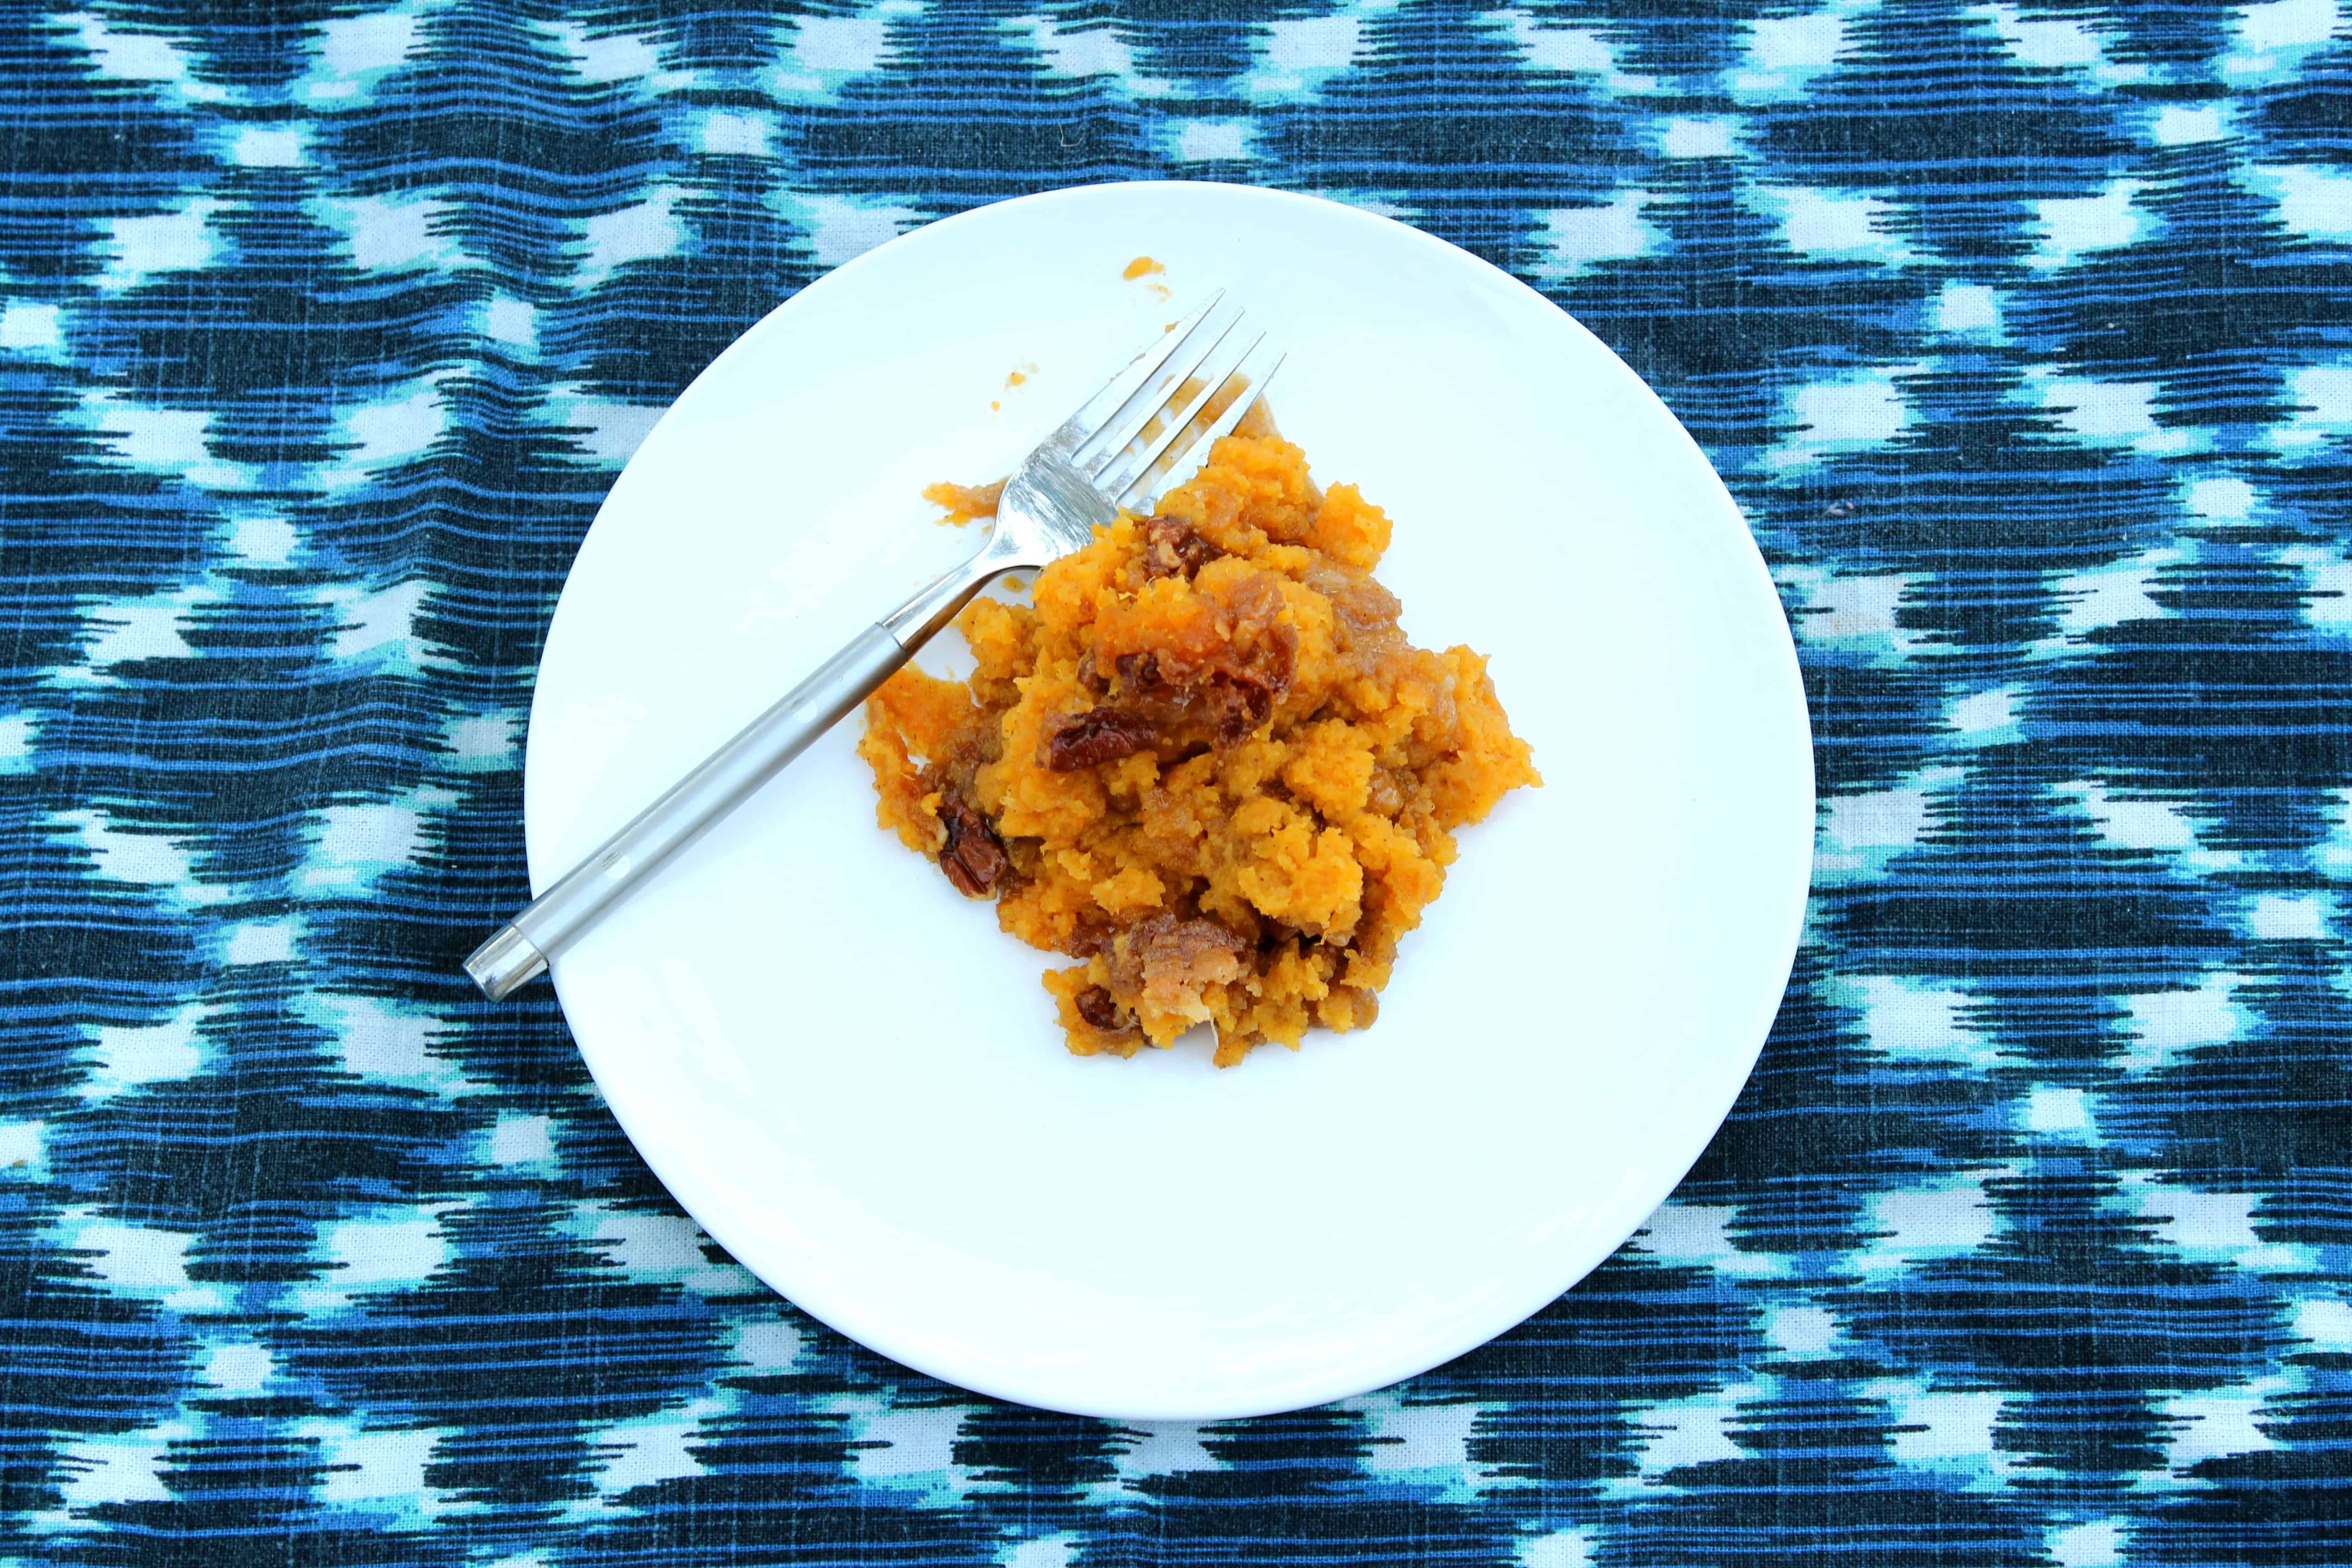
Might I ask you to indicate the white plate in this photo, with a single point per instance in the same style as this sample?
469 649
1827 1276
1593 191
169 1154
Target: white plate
852 1079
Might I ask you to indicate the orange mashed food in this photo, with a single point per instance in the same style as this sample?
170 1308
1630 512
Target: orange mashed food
1206 765
964 502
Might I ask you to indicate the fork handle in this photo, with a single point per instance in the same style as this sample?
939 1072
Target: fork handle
520 949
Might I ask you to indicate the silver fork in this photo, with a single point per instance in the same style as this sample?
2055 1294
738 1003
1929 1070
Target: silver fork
1108 455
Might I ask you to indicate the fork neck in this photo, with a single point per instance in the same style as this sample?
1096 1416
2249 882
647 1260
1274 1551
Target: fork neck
917 620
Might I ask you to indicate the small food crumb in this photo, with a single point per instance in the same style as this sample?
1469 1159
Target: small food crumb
996 405
964 502
1017 584
1141 267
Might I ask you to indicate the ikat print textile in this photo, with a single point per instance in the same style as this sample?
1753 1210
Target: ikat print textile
2022 331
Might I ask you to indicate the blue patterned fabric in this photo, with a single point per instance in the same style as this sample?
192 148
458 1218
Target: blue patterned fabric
2023 332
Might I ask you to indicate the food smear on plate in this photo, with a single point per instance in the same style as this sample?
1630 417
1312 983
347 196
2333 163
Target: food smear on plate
1144 267
1204 761
964 502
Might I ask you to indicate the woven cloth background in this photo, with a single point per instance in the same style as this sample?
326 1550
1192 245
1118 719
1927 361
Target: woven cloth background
2022 331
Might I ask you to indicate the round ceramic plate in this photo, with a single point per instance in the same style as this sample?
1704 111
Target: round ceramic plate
853 1079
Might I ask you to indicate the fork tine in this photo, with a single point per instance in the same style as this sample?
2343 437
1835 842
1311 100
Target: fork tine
1154 397
1127 474
1077 429
1222 426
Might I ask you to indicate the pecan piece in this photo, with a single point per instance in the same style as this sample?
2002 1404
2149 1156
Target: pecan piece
1089 939
1169 962
1102 735
973 855
1171 548
1240 703
1224 702
1101 1009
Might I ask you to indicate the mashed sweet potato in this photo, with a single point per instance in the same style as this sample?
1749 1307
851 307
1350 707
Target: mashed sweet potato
1206 763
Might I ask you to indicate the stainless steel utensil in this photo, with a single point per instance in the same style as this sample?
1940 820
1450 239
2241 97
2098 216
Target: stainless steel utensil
1120 446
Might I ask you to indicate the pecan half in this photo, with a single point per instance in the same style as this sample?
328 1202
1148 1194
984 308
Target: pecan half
973 855
1104 735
